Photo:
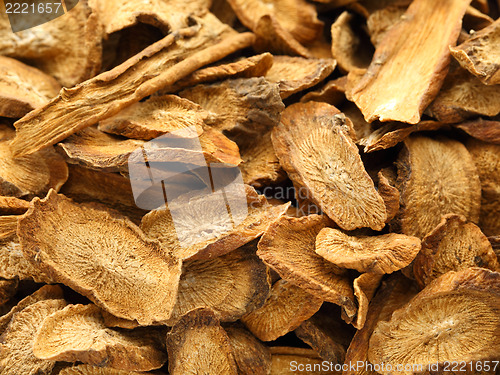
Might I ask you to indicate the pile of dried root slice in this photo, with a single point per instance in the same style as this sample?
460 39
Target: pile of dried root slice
365 136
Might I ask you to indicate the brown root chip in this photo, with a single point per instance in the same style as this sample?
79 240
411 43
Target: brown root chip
435 177
295 16
77 334
260 165
252 356
8 289
456 318
106 94
197 344
479 54
230 285
333 92
254 66
376 254
453 245
156 116
286 360
464 96
23 88
67 48
364 288
8 226
29 175
272 37
93 370
288 248
285 309
294 74
390 89
486 157
13 206
16 348
323 161
382 20
348 47
250 105
205 229
389 193
102 256
484 130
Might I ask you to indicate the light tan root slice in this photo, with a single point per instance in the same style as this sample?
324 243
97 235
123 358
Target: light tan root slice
390 89
13 206
93 370
388 192
333 92
484 130
364 289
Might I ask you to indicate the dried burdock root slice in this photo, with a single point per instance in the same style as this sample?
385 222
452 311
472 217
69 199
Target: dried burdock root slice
333 92
364 289
272 37
295 16
230 285
479 54
254 66
435 177
284 359
390 89
23 88
486 157
166 61
285 309
156 116
376 254
484 130
390 134
393 294
30 175
67 48
13 206
453 245
260 165
16 348
251 355
220 234
456 318
322 160
382 20
197 344
77 334
93 370
8 226
46 292
348 46
464 96
288 248
101 255
294 74
389 193
250 105
8 289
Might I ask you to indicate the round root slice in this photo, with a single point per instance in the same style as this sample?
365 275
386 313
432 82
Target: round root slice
457 318
230 285
320 157
16 348
288 248
284 358
13 206
29 175
376 254
296 16
23 88
294 74
156 116
486 157
77 334
252 105
453 245
435 177
93 370
364 289
197 344
202 227
101 255
251 355
285 309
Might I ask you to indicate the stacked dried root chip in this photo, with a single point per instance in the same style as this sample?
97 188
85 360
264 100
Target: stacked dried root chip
251 187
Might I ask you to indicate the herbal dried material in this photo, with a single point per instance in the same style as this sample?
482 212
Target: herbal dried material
13 206
251 355
92 370
484 130
282 357
333 92
364 288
